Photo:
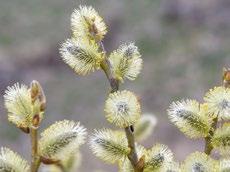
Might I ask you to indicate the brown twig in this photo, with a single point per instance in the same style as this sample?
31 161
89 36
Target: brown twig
114 84
35 163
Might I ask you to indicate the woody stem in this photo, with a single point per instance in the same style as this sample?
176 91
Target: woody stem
114 84
35 163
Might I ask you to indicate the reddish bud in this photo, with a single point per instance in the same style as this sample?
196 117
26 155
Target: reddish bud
36 120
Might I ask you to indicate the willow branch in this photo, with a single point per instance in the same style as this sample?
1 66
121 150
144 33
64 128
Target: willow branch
35 163
208 144
131 142
114 84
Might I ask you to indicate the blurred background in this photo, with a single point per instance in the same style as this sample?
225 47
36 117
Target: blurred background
184 45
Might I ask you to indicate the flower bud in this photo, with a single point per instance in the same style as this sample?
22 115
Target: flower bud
37 93
226 77
34 90
36 120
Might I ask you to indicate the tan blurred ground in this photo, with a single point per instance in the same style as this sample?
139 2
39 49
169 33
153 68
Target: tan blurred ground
184 45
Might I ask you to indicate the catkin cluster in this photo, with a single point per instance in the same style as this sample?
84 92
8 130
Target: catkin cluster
58 145
208 120
85 53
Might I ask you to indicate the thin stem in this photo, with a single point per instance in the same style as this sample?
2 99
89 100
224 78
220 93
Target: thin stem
35 163
114 84
132 155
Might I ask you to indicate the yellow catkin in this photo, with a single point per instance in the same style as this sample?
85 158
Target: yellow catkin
218 100
61 138
126 62
186 115
81 55
11 161
86 23
122 108
110 146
